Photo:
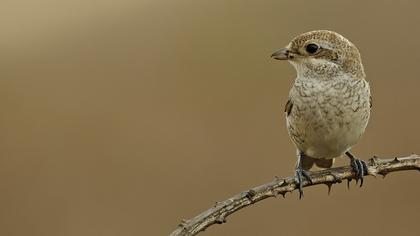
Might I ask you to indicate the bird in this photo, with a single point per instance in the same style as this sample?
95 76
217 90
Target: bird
329 104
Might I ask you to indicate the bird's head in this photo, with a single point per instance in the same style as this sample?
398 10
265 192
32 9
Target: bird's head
322 54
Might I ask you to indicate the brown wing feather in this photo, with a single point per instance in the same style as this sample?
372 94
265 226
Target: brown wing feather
288 107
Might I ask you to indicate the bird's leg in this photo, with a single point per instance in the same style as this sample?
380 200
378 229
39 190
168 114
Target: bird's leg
359 167
300 173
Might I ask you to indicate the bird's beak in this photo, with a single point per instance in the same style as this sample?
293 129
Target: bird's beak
282 54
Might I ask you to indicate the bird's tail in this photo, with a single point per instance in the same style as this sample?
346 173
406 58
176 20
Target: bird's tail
308 162
324 163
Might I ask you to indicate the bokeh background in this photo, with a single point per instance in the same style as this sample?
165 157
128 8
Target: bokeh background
124 117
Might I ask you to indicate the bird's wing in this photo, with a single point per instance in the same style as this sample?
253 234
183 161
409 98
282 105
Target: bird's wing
288 107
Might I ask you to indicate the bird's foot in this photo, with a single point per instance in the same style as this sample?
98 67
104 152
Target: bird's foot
300 173
359 167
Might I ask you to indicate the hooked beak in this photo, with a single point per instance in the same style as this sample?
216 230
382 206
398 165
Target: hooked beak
282 54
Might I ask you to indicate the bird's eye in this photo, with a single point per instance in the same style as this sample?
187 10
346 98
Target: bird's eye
312 48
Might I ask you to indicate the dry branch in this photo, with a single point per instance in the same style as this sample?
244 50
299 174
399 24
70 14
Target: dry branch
218 213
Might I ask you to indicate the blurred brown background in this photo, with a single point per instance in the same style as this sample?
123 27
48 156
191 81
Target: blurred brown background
123 117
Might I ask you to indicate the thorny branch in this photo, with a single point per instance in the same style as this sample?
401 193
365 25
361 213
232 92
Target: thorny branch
218 213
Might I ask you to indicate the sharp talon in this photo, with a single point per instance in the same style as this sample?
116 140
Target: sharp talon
300 173
299 181
348 183
359 167
366 172
361 171
306 175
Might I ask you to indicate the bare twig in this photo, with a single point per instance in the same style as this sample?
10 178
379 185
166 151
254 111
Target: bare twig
218 213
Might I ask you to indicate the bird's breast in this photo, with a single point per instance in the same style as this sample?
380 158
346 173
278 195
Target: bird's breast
328 117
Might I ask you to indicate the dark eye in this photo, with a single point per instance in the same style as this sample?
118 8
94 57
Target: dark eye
312 48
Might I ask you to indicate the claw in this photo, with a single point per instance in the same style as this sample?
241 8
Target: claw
300 173
306 175
299 181
359 167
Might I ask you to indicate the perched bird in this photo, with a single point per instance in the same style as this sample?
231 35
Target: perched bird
329 104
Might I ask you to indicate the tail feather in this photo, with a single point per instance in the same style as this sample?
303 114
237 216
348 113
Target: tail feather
307 162
324 163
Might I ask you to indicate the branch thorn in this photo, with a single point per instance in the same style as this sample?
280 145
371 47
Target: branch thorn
221 210
329 184
383 174
250 194
221 219
374 160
